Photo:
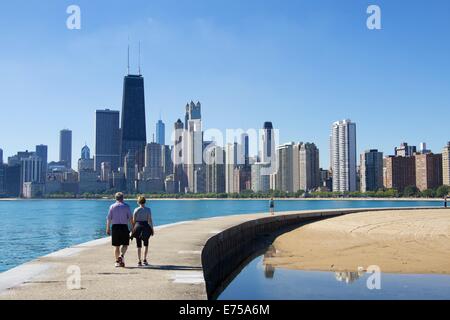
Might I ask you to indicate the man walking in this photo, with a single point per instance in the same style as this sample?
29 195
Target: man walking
118 220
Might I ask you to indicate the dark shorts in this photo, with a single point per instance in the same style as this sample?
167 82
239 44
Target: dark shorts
120 235
142 232
139 242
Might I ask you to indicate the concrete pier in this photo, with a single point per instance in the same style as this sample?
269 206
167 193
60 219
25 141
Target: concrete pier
189 260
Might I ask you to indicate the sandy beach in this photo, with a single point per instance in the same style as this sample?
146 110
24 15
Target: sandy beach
412 242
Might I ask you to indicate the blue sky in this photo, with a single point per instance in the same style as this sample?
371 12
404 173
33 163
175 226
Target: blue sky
301 64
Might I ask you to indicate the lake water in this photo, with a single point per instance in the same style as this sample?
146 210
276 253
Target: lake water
258 281
30 229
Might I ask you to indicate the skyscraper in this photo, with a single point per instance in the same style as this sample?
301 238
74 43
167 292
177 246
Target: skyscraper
31 171
133 129
130 172
244 154
153 168
343 150
260 182
12 180
399 172
446 164
306 172
1 156
405 150
85 153
268 147
423 148
86 163
231 158
166 160
65 147
179 155
371 170
285 173
215 169
193 112
107 139
160 133
42 152
194 154
428 171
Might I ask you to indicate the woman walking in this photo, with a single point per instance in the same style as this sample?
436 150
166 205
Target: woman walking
142 229
272 206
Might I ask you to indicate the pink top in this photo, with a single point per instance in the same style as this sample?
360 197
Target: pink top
119 213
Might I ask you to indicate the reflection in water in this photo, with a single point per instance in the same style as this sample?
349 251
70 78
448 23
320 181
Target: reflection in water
256 283
269 270
349 277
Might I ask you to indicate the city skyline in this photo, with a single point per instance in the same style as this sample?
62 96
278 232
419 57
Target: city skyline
393 75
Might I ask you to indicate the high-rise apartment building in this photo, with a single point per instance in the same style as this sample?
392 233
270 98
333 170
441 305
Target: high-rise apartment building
65 147
371 172
446 165
215 169
133 127
260 179
231 163
428 171
31 172
160 133
399 172
306 167
107 139
343 150
284 177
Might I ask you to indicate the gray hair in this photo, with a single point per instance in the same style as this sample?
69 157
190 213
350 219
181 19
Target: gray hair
119 196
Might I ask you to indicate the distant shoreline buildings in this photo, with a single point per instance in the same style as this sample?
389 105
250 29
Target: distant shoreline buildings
124 160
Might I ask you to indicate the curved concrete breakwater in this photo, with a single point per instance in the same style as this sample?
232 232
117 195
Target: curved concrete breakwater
189 260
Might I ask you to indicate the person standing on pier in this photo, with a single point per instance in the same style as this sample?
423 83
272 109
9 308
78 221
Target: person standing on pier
445 201
272 206
117 225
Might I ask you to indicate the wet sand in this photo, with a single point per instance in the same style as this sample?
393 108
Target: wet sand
413 242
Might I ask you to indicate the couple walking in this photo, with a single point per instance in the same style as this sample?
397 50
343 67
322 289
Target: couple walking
118 222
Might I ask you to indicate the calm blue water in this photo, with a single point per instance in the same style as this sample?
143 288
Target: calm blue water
30 229
262 282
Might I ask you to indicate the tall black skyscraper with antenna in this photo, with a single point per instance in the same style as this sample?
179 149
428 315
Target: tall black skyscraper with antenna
133 126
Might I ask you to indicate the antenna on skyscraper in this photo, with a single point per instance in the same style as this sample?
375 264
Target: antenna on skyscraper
139 59
128 58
